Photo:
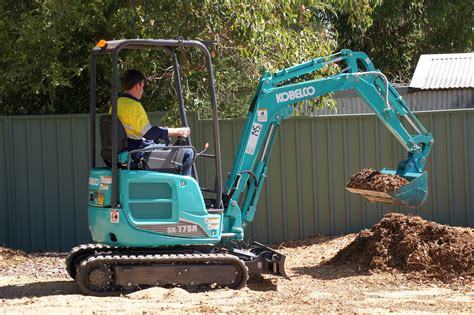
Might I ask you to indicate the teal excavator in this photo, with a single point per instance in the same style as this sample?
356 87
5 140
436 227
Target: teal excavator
155 227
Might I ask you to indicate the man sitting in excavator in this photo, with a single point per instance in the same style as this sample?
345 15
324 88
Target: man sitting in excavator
140 133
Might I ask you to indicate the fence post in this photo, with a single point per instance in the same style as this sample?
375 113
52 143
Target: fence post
9 165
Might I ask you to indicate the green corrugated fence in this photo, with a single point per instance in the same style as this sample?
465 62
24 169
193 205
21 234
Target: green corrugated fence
44 172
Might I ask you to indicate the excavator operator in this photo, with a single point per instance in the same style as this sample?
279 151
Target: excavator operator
140 133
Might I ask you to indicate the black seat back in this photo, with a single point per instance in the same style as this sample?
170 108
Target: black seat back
106 138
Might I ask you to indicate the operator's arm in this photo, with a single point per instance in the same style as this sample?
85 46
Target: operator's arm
162 132
179 132
135 120
155 133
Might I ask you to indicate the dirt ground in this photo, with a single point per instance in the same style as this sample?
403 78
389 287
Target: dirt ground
398 266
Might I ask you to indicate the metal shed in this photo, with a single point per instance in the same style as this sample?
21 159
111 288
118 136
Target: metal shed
444 71
442 81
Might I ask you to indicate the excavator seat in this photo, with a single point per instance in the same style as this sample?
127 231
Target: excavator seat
106 140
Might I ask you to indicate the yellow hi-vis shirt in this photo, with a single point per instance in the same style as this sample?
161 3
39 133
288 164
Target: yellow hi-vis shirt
133 116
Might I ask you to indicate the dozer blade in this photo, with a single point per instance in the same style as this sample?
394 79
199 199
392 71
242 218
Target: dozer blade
267 261
261 259
411 195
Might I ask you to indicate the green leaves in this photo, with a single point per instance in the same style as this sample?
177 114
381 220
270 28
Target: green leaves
45 45
394 33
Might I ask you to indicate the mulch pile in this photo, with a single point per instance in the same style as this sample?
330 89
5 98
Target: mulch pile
9 257
15 262
412 245
373 180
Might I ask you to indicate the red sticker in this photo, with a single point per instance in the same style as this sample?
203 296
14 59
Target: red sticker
114 216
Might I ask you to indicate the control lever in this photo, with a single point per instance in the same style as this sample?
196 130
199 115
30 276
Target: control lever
206 146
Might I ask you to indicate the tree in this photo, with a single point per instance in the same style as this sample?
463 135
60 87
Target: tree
397 32
46 46
45 52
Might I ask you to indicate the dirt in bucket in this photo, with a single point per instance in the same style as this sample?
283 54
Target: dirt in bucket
374 180
412 245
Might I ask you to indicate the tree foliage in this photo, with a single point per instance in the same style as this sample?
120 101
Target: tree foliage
45 52
46 46
399 31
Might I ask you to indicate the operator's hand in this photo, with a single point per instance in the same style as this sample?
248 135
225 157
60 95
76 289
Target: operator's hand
179 132
184 132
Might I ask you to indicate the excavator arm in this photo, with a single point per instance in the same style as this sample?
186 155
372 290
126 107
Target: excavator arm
274 101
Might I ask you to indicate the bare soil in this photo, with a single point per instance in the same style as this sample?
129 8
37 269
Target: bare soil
403 264
374 180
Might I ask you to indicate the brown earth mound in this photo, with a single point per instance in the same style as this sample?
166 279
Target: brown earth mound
373 180
412 245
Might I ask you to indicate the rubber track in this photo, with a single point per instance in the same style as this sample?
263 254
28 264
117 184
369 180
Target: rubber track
108 261
81 252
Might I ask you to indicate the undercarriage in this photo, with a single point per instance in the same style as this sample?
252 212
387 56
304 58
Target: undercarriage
103 270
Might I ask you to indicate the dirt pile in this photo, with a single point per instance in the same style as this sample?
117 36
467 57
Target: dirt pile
373 180
412 245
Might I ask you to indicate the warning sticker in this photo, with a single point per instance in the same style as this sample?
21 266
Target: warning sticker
262 115
106 179
114 216
93 181
104 187
253 138
100 199
212 223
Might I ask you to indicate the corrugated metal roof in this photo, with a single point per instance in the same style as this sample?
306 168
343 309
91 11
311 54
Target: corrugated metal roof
444 71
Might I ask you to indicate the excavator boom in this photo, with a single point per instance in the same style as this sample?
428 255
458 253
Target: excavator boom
274 101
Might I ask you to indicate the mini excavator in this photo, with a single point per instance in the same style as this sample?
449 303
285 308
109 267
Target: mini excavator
154 227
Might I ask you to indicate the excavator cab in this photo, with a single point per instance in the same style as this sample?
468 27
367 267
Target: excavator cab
147 203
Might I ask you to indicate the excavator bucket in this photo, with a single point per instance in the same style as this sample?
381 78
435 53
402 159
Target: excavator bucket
411 195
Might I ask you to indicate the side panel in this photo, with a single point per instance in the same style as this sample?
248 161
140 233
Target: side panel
156 209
